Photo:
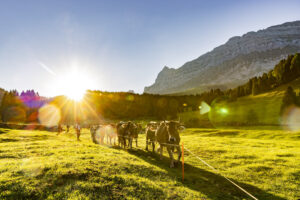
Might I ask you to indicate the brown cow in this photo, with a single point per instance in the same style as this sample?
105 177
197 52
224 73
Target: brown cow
98 133
111 133
121 132
167 135
136 129
150 134
93 134
131 133
126 131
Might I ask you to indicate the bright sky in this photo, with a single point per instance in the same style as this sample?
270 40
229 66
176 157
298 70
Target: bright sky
118 45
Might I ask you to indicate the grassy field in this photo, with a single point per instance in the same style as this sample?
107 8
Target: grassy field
263 109
41 165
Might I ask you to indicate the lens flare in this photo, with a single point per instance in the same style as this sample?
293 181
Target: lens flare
204 108
49 115
130 98
223 111
291 118
31 167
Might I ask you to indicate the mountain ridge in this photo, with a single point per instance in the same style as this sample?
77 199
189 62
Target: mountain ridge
237 60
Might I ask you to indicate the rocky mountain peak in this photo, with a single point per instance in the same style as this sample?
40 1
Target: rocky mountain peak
232 63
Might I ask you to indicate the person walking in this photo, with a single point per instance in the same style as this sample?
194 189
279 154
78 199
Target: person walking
78 129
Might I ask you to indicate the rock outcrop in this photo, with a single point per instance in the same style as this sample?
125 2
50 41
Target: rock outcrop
232 63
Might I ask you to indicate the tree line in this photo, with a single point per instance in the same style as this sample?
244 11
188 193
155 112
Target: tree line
285 71
97 105
15 107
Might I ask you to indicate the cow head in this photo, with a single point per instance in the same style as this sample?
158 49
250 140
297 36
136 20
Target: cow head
172 128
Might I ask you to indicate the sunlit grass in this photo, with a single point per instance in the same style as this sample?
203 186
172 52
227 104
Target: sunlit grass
261 109
41 165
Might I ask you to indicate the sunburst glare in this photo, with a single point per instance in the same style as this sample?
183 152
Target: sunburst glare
73 84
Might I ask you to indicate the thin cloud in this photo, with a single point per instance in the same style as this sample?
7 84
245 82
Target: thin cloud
47 68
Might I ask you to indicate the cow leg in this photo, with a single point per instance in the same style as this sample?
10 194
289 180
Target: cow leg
129 142
153 146
146 144
179 153
171 156
161 151
124 140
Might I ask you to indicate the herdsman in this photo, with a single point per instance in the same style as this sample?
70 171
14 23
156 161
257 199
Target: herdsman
78 129
68 128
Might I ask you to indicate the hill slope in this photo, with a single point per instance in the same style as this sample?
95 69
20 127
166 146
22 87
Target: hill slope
261 109
233 63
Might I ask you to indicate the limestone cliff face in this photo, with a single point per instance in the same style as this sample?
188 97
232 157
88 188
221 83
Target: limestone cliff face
232 63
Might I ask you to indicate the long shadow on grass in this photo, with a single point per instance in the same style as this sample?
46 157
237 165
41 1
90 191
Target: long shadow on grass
208 183
98 185
2 131
2 140
29 138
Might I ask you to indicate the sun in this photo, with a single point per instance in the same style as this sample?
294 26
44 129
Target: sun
75 94
73 84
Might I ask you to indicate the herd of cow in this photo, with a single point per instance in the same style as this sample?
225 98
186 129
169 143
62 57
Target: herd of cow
165 133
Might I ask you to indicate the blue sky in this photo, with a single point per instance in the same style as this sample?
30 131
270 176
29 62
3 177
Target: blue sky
119 45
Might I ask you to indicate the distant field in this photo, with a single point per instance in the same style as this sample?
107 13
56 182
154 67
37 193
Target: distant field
41 165
260 109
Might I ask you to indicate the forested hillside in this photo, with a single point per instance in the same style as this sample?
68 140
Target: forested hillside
98 105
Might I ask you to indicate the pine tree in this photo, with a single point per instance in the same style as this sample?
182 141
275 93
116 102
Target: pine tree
254 86
288 99
295 65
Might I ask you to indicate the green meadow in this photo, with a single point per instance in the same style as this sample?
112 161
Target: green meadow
262 109
42 165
